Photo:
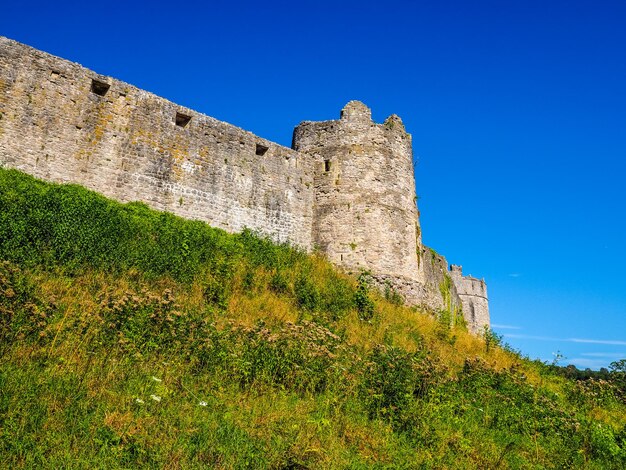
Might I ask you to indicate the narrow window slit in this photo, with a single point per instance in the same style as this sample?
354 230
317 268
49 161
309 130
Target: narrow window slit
99 88
261 149
182 119
326 165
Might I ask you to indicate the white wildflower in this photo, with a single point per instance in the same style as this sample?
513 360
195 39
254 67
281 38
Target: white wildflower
203 403
139 400
155 397
156 379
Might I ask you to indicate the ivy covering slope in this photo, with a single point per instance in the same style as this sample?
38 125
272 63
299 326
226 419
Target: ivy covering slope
132 338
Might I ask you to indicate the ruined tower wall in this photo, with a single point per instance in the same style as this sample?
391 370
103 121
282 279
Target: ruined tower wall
473 295
62 122
365 215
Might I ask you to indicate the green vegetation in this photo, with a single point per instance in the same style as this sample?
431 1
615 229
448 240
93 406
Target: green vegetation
131 338
444 288
433 256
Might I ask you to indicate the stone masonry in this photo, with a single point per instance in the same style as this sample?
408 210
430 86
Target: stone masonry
64 123
473 295
346 188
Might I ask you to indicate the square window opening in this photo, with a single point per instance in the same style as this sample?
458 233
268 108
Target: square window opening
182 119
261 149
99 88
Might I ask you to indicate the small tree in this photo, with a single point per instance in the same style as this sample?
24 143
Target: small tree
618 374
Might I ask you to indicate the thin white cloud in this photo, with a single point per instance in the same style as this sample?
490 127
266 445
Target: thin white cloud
514 275
609 355
598 341
505 327
568 340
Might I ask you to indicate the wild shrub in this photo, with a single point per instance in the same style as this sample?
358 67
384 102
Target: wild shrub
444 325
279 283
145 322
364 304
592 393
262 252
508 405
216 291
324 302
604 446
307 294
393 378
337 297
492 339
23 315
301 357
392 296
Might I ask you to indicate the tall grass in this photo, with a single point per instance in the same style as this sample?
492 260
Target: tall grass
131 338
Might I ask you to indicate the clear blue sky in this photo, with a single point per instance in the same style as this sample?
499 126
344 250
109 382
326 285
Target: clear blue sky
517 110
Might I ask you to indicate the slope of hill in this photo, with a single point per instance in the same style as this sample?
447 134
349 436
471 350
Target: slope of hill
132 338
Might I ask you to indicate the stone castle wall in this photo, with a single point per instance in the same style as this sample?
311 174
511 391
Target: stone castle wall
365 215
473 295
62 122
347 187
365 191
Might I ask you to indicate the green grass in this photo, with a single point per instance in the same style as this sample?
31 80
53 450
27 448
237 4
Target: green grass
131 338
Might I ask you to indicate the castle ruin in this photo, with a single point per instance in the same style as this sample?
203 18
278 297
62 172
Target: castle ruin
346 187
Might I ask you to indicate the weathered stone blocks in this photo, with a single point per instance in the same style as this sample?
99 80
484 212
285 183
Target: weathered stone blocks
65 123
346 187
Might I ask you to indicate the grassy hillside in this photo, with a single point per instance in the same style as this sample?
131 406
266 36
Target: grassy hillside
132 338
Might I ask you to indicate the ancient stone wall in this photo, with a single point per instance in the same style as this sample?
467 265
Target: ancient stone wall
364 191
346 187
473 295
62 122
365 215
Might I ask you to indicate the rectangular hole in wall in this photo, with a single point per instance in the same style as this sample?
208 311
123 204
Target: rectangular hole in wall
326 165
99 88
261 149
182 119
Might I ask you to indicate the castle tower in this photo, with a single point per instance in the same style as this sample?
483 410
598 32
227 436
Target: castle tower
473 295
365 213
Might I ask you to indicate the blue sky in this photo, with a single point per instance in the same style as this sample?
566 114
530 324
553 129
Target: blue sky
517 111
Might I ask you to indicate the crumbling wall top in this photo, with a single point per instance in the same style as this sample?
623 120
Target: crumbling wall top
356 111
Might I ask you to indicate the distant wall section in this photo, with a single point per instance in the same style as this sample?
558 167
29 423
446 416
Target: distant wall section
473 295
62 122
